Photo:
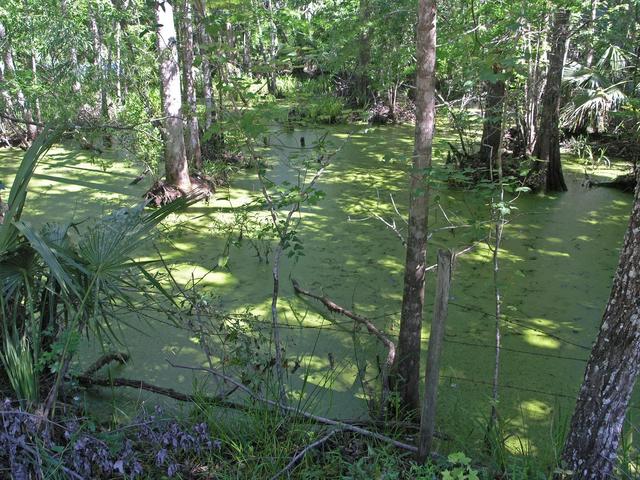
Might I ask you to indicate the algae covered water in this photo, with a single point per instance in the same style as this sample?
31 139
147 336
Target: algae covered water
557 263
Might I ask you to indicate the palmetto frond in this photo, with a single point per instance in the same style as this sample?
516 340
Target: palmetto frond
53 285
596 91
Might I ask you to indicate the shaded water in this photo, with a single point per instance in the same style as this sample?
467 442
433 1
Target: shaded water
559 256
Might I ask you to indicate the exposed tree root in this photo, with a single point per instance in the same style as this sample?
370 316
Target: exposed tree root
163 193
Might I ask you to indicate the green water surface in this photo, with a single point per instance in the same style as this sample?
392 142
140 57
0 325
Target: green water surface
557 262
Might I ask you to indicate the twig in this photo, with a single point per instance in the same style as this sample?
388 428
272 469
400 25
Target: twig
391 347
298 456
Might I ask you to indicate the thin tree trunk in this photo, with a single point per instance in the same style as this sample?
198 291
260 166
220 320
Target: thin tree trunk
592 444
177 170
408 366
73 52
548 144
118 44
534 86
492 128
273 49
207 69
36 101
230 41
364 53
98 63
246 50
194 153
10 72
592 30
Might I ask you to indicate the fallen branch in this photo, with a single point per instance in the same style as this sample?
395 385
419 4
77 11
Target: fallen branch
302 413
371 328
103 361
88 381
298 456
220 400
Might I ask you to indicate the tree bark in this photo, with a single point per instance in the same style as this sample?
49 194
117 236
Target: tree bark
98 63
492 124
10 72
194 153
207 70
436 341
548 143
407 371
273 49
176 167
591 447
246 50
73 52
592 31
364 53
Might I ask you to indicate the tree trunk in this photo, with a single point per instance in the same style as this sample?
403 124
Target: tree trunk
194 154
98 63
34 73
207 71
592 31
364 53
246 50
118 45
73 52
591 447
548 143
10 72
534 86
492 128
407 372
273 50
176 167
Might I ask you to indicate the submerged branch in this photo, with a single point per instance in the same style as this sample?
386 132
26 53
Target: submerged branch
371 328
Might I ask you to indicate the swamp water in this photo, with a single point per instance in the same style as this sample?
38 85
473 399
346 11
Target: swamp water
557 263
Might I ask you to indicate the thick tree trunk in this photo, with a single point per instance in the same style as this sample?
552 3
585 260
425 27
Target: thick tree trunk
548 143
194 154
176 167
591 447
492 128
407 372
